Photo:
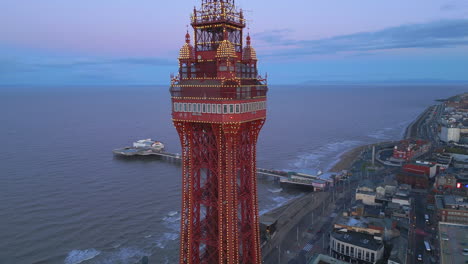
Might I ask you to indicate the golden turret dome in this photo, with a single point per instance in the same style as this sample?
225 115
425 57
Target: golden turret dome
187 52
226 50
249 52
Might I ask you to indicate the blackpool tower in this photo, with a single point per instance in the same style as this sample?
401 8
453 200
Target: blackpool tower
218 109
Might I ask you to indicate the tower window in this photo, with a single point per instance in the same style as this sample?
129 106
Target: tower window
219 109
208 108
198 108
237 109
203 108
185 107
225 109
231 109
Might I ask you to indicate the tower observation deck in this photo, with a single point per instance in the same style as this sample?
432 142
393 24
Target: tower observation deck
218 109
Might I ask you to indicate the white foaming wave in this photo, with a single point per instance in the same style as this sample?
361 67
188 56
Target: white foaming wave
172 222
380 134
172 213
389 132
77 256
171 236
124 255
320 158
309 160
279 201
172 219
162 242
352 144
277 190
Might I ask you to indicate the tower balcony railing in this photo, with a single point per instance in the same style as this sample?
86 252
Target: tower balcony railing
230 93
218 18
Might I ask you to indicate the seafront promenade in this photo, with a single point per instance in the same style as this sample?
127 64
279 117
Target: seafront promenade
303 223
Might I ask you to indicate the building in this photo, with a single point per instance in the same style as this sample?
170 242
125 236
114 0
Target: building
402 198
452 241
354 247
445 182
452 209
366 193
218 109
399 252
367 198
383 228
410 149
416 181
450 134
421 168
324 259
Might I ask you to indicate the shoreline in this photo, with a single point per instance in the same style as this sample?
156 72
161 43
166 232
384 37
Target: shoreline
292 213
347 159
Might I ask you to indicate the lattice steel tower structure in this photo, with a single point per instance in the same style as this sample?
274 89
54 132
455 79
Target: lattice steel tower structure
219 107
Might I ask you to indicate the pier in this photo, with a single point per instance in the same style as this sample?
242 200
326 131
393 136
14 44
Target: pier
176 157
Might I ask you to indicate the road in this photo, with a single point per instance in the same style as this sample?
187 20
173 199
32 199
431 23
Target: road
421 231
428 127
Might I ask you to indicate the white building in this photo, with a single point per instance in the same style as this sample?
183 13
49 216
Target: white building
448 134
354 247
367 198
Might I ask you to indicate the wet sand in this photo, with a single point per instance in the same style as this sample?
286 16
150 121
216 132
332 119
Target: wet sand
348 158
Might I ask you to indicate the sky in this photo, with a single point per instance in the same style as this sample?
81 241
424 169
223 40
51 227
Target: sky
136 42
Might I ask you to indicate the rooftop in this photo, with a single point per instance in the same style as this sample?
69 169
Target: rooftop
451 202
422 163
358 239
324 259
453 239
399 250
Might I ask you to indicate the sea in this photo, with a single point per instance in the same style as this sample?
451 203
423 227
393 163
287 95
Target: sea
66 199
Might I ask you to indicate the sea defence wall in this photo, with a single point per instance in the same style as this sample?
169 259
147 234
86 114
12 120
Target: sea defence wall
412 129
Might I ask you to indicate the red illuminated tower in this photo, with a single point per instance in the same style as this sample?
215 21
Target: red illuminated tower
219 107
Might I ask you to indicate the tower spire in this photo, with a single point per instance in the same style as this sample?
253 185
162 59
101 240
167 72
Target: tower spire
187 37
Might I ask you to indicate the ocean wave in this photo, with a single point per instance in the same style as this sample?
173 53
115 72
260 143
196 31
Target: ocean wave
277 190
379 134
279 201
77 256
172 213
124 255
324 157
164 240
172 219
172 222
